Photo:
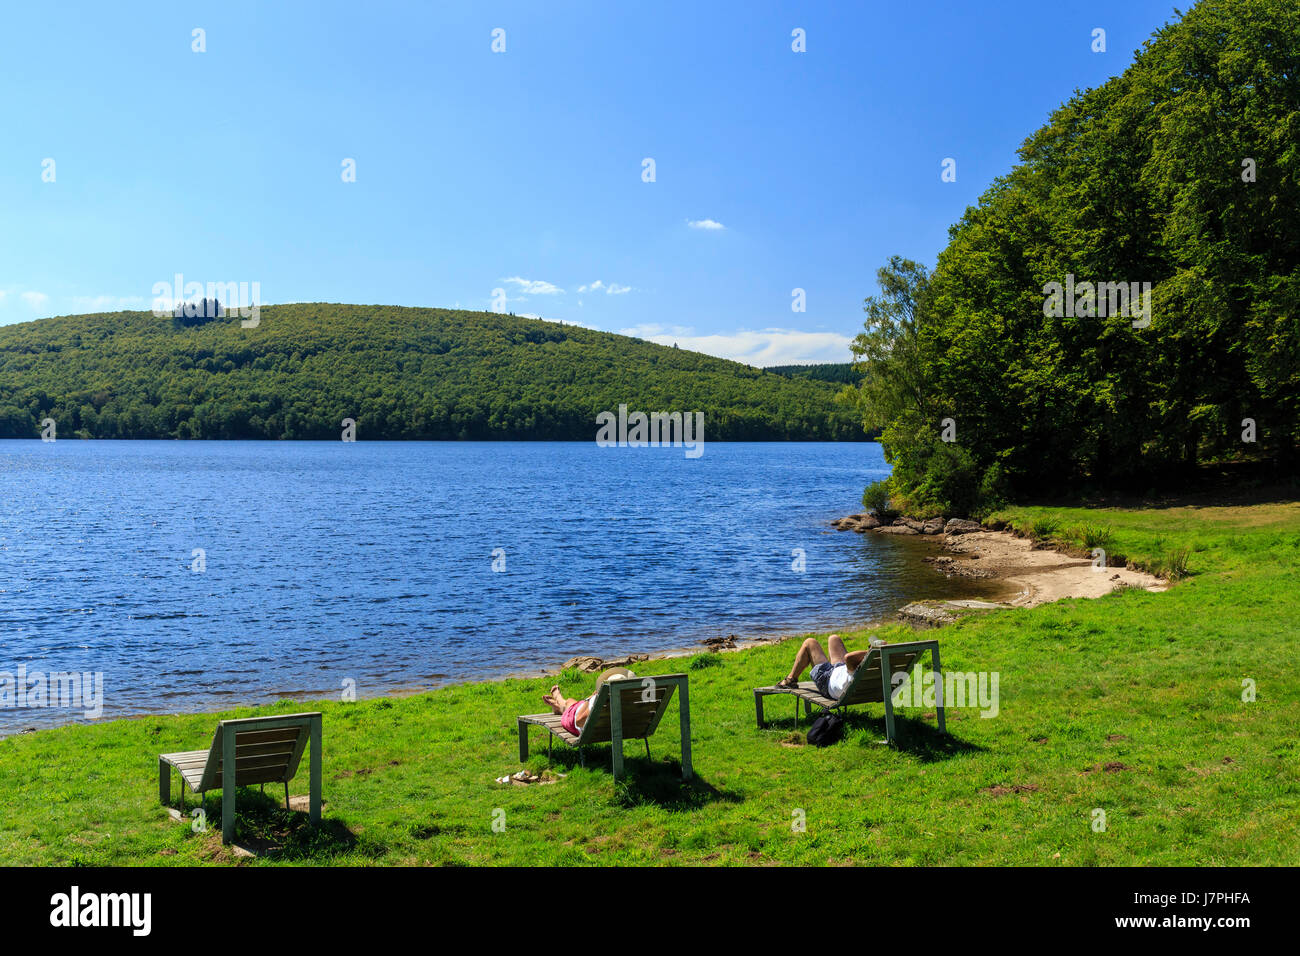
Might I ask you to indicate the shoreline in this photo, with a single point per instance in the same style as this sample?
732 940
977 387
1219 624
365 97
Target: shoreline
1031 574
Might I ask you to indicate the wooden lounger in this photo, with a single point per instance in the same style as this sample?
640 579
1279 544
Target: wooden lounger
634 711
872 682
262 749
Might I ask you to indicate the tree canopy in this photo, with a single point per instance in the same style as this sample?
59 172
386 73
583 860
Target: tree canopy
1184 173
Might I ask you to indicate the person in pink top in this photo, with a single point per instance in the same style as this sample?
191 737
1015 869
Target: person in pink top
573 712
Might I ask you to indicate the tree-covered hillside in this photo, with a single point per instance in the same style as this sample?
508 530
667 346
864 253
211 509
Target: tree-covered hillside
843 373
401 373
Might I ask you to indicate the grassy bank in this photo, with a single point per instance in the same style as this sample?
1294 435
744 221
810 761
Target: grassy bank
1131 704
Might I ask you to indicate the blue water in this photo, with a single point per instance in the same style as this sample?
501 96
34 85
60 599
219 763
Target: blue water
373 561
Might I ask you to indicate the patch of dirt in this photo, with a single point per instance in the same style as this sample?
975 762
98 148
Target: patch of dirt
1000 791
1113 766
1114 737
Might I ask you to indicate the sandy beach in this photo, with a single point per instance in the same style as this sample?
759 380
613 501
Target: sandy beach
1038 574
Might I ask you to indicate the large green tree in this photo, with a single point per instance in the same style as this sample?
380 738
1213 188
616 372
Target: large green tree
1182 173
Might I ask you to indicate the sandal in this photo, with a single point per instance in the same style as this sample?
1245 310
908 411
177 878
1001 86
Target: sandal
787 683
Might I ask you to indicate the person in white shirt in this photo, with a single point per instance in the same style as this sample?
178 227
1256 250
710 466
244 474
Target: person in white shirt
830 673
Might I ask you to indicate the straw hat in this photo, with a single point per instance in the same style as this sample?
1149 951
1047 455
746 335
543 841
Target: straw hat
613 673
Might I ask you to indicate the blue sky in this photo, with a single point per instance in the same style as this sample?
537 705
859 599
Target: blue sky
522 170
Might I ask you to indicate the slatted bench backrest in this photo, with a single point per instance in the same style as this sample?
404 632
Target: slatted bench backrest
267 749
642 705
865 686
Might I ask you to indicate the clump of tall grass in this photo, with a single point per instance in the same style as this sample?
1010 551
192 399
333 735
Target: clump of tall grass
1043 528
1096 536
1173 565
701 661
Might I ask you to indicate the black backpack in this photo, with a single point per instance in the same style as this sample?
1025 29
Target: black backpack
826 729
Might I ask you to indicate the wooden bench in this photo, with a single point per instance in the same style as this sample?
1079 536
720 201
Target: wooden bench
624 710
872 682
261 749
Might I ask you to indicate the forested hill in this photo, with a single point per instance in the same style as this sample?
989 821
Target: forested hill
401 373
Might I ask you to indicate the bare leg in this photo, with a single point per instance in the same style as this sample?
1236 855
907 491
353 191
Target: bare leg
836 648
557 701
810 655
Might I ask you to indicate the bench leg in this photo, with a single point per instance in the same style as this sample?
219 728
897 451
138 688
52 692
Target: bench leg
616 731
523 742
317 771
887 693
938 682
165 782
228 787
684 716
758 708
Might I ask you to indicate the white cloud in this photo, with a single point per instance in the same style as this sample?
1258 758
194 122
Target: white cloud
612 289
704 224
534 286
35 299
753 347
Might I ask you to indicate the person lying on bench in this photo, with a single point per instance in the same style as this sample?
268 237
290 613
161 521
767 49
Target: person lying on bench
573 713
830 675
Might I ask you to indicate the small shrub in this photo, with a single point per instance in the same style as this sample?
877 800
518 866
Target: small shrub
701 661
875 498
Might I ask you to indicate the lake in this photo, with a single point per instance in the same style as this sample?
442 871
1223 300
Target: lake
199 575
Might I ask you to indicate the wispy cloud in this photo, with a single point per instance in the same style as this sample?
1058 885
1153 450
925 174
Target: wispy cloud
759 347
35 299
704 224
534 286
612 288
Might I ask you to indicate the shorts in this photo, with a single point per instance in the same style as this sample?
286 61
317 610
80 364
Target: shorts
821 675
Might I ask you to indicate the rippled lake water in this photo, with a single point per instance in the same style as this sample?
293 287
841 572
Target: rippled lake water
373 562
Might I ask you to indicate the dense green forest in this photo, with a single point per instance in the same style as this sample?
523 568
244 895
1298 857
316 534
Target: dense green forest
1183 172
843 372
401 373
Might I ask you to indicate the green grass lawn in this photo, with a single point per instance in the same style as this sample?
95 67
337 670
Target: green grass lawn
1131 704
